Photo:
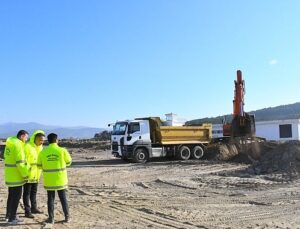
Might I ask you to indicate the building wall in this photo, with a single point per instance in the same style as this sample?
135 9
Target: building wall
271 129
217 130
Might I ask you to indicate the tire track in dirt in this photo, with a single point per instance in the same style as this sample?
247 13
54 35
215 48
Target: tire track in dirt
149 216
258 216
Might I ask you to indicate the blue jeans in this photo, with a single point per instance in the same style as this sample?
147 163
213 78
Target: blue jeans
29 194
63 200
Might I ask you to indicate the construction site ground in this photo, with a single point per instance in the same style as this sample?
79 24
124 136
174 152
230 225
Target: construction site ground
106 192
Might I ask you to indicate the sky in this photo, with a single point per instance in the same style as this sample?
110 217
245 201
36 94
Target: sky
90 63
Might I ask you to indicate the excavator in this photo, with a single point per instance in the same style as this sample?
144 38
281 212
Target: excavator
238 135
243 124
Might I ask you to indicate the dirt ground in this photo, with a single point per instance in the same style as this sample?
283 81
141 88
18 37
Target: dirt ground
105 192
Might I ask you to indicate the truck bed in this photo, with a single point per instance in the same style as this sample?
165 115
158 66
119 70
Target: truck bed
185 134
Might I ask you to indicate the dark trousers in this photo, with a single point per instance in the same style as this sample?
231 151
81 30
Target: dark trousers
14 196
29 196
63 200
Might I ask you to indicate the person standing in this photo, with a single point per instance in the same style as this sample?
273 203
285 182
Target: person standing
15 172
32 150
53 160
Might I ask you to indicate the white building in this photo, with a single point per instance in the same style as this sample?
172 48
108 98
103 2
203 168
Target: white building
277 130
173 120
217 131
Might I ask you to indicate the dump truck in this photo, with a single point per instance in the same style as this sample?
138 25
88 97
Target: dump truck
140 139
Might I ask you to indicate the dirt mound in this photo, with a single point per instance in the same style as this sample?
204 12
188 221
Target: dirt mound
266 157
221 152
285 158
243 152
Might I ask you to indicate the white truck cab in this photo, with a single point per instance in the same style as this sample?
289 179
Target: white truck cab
129 133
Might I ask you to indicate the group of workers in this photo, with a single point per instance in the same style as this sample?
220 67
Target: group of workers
24 162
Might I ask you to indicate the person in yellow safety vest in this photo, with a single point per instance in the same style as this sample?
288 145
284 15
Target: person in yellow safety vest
15 172
32 150
53 160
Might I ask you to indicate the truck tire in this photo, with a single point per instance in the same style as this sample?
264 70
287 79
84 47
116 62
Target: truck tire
184 153
140 155
197 152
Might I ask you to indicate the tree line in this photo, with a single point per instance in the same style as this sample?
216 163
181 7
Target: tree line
103 136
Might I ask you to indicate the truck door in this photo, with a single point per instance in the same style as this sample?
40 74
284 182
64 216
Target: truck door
134 133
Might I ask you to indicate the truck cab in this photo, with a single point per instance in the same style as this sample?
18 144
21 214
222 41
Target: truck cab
126 135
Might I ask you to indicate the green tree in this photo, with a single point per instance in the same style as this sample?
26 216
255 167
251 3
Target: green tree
103 136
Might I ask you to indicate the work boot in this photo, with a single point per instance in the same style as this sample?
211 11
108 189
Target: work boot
36 211
67 220
29 215
49 220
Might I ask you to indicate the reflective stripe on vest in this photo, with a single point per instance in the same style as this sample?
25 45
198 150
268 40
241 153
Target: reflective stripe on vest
15 183
56 187
33 164
10 165
21 161
53 170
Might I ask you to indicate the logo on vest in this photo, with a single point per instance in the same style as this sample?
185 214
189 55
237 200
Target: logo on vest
52 157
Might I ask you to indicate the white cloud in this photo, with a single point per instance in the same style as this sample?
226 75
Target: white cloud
273 62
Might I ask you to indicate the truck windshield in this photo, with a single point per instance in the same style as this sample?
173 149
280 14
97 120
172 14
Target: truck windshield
119 128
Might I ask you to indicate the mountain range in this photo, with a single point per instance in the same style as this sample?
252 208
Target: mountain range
81 132
290 111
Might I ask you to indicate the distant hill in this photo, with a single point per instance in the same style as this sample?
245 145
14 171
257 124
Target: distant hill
81 132
291 111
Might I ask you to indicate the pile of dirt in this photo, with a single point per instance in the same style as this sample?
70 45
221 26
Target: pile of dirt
285 158
242 152
221 152
265 157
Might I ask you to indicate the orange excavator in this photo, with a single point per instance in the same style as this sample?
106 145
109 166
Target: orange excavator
239 135
243 124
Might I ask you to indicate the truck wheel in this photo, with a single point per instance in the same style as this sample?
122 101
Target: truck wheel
184 153
140 155
197 152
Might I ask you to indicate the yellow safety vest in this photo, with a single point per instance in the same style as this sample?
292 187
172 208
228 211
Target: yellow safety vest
53 160
15 170
31 152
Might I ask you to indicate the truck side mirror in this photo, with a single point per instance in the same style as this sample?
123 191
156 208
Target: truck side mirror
128 138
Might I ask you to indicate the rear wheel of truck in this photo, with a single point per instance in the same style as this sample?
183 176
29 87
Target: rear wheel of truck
197 152
184 153
140 155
